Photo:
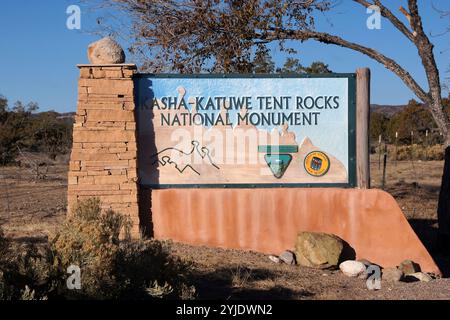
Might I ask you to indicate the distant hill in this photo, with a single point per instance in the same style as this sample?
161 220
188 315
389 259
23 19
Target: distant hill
58 115
387 110
67 115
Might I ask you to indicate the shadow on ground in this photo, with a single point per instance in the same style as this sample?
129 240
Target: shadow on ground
235 283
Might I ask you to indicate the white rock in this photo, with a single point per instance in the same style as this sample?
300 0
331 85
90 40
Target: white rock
105 51
352 268
274 259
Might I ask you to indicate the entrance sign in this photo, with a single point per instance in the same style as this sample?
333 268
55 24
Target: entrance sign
139 139
246 131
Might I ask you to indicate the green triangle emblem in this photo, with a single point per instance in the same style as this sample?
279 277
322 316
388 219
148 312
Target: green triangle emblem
278 163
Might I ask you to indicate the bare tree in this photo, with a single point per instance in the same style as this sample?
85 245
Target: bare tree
212 35
206 35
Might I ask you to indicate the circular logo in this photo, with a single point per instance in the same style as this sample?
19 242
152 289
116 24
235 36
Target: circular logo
317 163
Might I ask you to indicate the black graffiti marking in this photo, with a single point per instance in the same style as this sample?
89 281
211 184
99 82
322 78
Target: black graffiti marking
165 159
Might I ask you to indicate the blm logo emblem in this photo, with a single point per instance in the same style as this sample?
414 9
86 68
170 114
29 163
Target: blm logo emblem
278 157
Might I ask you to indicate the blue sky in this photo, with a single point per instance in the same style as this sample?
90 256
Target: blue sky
39 54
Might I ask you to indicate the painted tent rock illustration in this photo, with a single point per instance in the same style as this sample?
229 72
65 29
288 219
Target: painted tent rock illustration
181 160
227 153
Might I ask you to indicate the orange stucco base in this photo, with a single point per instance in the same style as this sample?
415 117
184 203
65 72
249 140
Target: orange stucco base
268 220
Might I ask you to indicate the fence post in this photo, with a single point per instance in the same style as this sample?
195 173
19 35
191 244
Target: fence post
379 152
396 146
383 181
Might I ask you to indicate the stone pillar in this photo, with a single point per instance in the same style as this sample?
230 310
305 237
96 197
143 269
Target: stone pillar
103 162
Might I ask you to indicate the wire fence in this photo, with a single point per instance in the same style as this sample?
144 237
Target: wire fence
388 158
421 147
32 180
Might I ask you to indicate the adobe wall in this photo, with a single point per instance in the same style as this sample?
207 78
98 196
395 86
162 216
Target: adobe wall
268 220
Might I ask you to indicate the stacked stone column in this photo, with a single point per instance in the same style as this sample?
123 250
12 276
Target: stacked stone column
103 161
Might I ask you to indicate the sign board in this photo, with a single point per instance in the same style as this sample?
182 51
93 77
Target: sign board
246 131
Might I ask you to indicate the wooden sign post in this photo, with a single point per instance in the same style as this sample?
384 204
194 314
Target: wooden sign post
362 127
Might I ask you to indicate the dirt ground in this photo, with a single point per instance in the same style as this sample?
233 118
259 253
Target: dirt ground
30 210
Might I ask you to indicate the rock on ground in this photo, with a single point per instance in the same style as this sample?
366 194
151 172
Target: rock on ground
105 51
392 274
352 268
421 276
318 250
287 257
274 259
409 267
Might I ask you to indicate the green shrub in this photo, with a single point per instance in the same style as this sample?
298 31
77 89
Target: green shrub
90 240
27 271
3 249
21 127
146 268
112 265
112 268
417 152
4 244
436 152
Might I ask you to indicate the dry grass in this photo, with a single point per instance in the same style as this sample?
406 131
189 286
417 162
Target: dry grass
240 276
416 152
31 208
414 184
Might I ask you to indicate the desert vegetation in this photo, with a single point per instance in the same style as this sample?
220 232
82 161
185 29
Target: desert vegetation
115 267
37 213
112 265
23 129
407 133
396 124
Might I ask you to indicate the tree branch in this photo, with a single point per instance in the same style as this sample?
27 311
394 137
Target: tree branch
385 12
425 50
416 20
326 38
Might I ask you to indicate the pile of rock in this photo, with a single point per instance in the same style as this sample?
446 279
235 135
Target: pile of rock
328 251
407 271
